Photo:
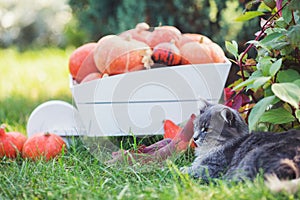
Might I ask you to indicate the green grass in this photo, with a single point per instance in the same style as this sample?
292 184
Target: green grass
30 78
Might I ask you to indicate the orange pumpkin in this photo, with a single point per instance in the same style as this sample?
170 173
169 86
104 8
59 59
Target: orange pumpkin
217 53
159 35
116 55
43 145
193 37
166 53
140 32
201 53
92 76
81 61
171 28
11 143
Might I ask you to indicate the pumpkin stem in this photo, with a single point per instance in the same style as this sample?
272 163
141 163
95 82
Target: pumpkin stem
147 60
47 134
201 40
105 75
2 129
128 37
143 26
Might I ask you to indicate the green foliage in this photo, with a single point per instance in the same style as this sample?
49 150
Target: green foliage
271 78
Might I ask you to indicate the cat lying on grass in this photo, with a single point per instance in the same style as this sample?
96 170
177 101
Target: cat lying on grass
226 149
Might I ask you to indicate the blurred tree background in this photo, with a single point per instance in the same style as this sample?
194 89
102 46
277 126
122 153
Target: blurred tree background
214 18
35 23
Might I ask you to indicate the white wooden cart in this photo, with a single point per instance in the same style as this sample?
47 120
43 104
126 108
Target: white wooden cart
132 103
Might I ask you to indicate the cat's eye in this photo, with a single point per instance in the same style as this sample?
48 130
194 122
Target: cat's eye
204 129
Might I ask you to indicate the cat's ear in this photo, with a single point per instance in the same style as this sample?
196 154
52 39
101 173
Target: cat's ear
203 105
227 115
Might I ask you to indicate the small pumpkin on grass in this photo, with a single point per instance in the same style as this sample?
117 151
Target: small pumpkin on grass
43 146
11 143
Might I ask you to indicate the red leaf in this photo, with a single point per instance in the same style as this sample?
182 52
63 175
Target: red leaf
166 147
235 100
170 129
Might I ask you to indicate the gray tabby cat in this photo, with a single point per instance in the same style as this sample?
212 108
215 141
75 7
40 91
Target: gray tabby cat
226 149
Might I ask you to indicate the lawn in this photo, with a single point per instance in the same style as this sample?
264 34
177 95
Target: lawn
32 77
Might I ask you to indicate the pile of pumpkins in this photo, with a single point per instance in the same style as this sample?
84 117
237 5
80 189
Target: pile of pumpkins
143 47
39 146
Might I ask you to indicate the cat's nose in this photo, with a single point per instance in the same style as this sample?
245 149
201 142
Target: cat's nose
196 135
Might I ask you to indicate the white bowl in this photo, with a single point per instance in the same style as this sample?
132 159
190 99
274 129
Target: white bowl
57 117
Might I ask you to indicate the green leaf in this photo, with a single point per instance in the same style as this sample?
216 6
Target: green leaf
273 41
276 30
287 92
268 92
289 75
275 67
271 37
232 47
264 64
249 15
258 110
259 82
297 82
277 116
256 74
244 83
286 50
294 5
267 5
280 23
293 35
297 113
287 15
280 45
